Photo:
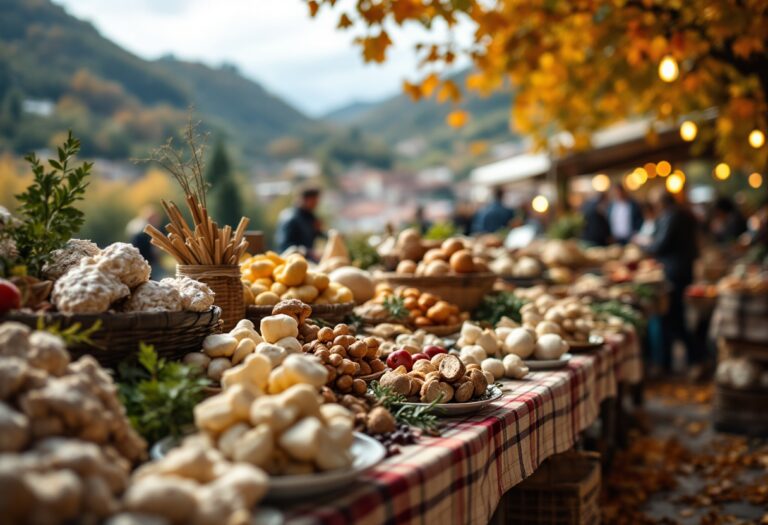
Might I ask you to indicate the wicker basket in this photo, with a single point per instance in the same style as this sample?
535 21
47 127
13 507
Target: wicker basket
225 282
465 291
173 334
330 313
564 490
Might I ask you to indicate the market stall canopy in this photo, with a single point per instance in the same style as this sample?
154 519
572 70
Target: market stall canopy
519 167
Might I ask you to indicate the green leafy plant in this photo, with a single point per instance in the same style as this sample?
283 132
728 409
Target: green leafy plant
622 311
395 306
363 255
496 306
419 416
159 395
566 227
440 231
74 335
48 217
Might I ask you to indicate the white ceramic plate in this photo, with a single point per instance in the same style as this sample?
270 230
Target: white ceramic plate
367 452
470 407
548 364
595 341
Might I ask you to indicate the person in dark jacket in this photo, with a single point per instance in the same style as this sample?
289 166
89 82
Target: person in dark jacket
494 216
624 215
597 230
674 244
299 226
727 221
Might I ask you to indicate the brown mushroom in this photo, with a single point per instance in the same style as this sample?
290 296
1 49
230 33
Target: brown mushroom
294 308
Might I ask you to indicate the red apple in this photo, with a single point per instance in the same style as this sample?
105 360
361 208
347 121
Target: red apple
400 358
10 297
432 351
419 356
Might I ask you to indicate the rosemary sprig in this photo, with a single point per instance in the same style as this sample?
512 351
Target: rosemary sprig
395 306
419 416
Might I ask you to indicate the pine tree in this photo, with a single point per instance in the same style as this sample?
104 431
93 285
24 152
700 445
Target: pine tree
224 201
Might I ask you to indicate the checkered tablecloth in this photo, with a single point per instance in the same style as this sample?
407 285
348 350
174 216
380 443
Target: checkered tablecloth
459 477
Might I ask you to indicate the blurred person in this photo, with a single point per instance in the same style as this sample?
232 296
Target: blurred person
624 215
675 245
494 216
645 235
727 222
135 232
298 226
420 219
463 215
597 230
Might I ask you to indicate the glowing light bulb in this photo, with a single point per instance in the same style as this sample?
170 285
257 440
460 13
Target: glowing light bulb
668 70
632 181
722 171
641 175
675 182
663 168
756 138
650 169
601 182
755 180
540 204
688 130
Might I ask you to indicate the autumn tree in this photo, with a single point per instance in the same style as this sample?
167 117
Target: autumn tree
579 65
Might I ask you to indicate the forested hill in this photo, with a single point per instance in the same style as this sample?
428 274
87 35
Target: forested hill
58 72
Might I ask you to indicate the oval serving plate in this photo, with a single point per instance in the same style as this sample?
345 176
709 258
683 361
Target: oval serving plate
366 451
459 409
548 364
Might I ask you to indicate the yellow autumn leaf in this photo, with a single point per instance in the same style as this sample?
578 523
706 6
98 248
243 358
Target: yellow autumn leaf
448 91
457 118
429 84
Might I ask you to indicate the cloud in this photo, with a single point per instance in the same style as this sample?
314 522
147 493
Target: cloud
307 61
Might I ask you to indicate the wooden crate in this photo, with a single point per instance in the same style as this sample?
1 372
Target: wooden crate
741 411
564 490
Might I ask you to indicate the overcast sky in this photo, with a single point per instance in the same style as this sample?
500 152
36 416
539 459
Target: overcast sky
308 62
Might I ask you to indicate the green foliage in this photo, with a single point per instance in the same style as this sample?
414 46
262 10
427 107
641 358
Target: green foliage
159 395
74 335
440 231
361 252
498 305
224 199
622 311
566 227
419 416
46 209
396 307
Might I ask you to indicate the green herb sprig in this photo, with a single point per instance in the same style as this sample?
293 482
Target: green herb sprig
496 306
419 416
159 395
395 306
74 335
46 209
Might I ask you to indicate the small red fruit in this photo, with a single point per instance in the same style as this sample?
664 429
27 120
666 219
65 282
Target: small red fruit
400 358
432 351
419 357
10 297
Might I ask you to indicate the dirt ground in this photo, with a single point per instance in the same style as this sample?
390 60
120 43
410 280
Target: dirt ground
678 470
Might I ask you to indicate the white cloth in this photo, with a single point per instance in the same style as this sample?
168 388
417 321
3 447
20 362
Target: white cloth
621 220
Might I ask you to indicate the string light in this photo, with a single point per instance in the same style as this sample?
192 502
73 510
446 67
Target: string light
632 181
756 139
722 171
641 175
601 182
540 204
675 182
663 168
755 180
650 169
668 70
688 130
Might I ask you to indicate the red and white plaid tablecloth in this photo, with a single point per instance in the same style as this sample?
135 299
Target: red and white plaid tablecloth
459 477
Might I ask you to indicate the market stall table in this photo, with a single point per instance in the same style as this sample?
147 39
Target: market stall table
460 476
